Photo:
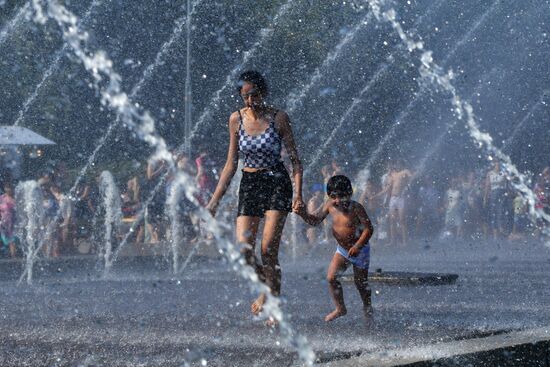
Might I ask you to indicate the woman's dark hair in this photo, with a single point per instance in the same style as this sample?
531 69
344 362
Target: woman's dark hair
340 185
253 77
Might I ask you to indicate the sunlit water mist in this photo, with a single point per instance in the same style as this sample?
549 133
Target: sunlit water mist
345 117
439 78
14 23
112 216
421 166
541 102
30 222
52 68
295 99
107 83
214 104
146 76
381 70
364 173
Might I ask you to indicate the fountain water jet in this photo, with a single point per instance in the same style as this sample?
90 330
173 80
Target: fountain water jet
113 216
416 23
28 196
421 166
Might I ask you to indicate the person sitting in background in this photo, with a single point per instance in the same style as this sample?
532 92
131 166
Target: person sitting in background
7 219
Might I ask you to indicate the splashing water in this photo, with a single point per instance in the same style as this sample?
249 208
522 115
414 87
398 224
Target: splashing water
107 83
434 74
28 196
113 215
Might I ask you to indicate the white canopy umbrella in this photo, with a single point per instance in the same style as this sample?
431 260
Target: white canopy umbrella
17 135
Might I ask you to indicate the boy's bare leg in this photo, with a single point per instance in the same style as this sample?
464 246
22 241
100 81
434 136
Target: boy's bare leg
336 267
361 283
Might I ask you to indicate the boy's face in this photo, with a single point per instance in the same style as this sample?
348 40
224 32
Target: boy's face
339 199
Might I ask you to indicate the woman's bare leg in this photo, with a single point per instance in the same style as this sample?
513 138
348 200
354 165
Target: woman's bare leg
337 266
271 238
247 228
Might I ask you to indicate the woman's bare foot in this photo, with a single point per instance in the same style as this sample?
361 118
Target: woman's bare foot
258 305
335 314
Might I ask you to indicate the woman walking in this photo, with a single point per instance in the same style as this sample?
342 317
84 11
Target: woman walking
258 132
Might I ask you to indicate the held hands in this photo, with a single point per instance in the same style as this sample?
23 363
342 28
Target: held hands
298 205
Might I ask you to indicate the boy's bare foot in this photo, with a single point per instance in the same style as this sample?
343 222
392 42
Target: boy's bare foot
271 322
368 311
335 314
258 305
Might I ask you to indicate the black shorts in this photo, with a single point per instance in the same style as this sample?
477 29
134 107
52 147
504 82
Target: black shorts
265 190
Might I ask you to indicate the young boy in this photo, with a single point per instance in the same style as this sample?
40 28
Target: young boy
352 230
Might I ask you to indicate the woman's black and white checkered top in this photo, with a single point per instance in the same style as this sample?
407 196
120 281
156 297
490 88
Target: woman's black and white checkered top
263 150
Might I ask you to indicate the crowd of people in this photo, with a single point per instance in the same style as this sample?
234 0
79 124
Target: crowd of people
400 204
71 221
480 205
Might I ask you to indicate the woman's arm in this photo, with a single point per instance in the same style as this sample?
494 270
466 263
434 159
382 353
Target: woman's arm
285 129
230 166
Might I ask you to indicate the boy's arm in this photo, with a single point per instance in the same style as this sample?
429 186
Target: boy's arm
367 232
317 217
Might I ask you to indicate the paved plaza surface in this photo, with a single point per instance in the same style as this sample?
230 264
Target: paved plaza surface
142 315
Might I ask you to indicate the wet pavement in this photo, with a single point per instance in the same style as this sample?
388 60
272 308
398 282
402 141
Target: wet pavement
141 315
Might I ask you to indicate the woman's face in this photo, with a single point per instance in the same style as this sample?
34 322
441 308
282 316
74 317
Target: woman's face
251 96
